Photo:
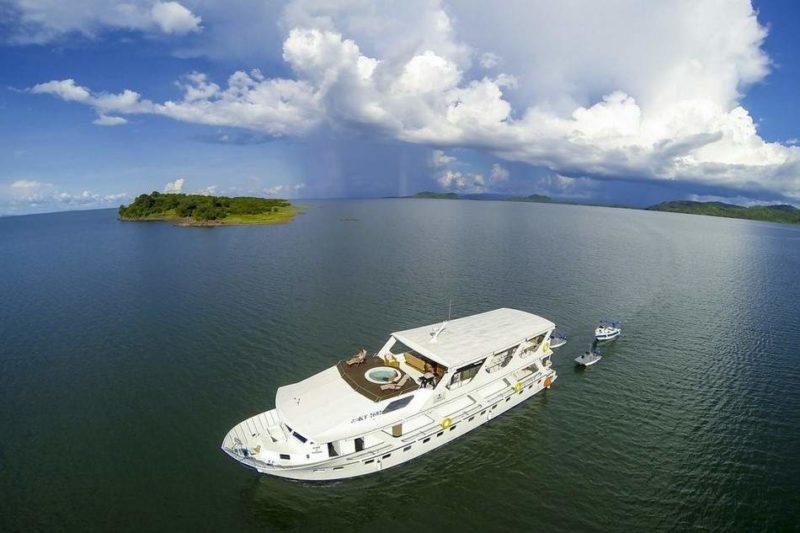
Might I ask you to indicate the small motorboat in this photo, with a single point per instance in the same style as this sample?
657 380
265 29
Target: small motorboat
590 357
557 340
607 330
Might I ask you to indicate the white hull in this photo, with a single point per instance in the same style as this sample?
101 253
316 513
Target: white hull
607 336
398 450
588 363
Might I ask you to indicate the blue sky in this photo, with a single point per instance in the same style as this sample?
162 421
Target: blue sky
625 102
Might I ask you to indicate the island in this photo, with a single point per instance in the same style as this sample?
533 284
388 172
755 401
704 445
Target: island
437 195
769 213
202 210
782 213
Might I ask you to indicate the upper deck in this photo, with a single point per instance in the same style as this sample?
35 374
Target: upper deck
464 340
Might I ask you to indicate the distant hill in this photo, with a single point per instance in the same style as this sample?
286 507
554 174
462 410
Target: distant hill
540 198
771 213
201 210
437 195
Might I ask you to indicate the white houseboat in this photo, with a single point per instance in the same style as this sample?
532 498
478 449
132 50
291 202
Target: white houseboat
424 388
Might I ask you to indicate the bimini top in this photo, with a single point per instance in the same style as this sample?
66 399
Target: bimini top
464 340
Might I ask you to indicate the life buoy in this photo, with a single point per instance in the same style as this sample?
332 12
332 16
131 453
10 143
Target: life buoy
517 386
548 382
446 423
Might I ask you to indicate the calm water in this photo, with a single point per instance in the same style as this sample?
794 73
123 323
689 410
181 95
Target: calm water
128 350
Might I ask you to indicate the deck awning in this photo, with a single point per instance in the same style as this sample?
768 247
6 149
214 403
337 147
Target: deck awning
467 339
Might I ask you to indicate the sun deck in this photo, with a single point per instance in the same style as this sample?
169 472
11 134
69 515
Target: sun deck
355 376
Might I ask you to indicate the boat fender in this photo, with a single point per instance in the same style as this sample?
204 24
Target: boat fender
546 346
517 386
446 423
548 382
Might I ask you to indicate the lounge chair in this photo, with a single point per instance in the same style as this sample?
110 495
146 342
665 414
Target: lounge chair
398 385
357 359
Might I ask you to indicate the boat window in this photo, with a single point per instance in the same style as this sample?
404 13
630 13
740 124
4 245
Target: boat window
299 437
398 404
359 444
286 456
425 440
407 448
465 374
500 360
419 362
331 450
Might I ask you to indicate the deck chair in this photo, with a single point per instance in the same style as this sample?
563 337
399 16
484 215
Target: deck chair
398 385
358 358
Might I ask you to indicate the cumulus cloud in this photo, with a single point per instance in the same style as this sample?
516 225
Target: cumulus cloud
27 195
42 21
455 180
174 186
489 60
290 191
441 159
109 120
499 174
666 112
172 17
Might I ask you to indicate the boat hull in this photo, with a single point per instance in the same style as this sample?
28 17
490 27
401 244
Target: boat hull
607 336
405 448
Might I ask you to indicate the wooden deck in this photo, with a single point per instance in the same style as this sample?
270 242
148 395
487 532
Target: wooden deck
354 376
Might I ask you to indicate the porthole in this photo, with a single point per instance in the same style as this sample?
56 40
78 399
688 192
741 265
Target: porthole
406 448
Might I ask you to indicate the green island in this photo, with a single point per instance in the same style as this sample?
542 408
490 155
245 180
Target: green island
437 195
783 213
770 213
201 210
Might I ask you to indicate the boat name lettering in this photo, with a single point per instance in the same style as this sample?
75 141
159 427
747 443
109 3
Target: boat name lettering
366 417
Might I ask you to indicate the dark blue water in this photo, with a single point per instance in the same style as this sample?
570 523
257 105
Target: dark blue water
127 350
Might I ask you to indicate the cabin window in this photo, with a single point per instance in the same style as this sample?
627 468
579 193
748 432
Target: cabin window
359 444
299 437
425 440
398 404
386 456
406 448
286 456
332 450
500 359
464 375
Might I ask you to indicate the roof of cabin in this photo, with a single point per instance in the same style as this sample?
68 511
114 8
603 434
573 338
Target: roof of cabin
466 339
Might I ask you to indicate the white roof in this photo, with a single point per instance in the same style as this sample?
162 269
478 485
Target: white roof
318 403
466 339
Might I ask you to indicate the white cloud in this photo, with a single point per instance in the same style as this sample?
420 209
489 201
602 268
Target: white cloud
109 120
441 159
174 186
65 89
285 190
489 60
454 180
172 17
498 174
669 112
26 195
42 21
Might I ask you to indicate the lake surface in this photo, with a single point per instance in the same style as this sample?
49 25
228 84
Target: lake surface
127 351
